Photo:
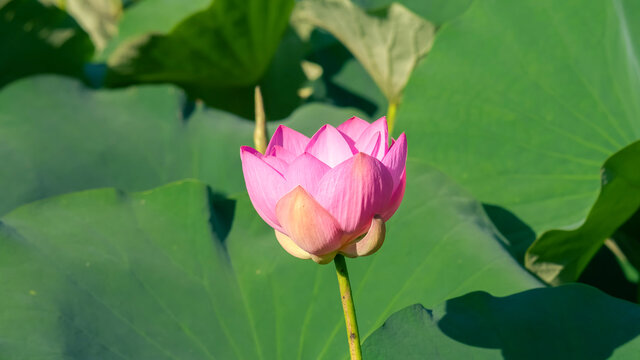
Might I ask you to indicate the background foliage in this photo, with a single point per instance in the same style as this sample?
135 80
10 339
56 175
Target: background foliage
126 231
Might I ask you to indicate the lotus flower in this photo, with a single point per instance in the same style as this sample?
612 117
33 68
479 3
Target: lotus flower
329 194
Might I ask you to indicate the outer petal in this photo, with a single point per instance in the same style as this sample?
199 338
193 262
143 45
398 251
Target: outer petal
330 146
296 251
354 191
396 199
396 159
289 139
305 171
370 243
291 247
324 259
380 129
353 127
264 184
310 226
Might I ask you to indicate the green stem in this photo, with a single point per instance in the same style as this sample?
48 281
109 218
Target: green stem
348 307
391 116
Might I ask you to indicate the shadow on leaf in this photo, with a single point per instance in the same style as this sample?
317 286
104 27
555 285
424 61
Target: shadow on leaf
566 322
518 234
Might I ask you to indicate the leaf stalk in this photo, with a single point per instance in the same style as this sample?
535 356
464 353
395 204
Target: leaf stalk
391 115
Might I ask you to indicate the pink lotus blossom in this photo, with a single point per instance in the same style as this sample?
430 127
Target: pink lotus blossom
329 194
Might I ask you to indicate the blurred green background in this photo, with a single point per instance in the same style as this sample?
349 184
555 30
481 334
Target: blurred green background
126 232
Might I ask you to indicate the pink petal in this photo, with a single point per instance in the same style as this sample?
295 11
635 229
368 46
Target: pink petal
372 147
308 224
289 139
396 199
306 170
380 129
281 153
276 163
354 191
396 159
265 185
353 127
330 146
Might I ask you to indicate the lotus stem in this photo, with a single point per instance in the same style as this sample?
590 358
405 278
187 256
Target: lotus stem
348 307
391 115
260 131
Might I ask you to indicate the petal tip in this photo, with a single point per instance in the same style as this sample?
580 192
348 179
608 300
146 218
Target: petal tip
249 151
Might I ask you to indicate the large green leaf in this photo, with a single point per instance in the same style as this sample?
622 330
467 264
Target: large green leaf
567 322
522 102
280 85
163 274
436 11
58 136
35 38
388 47
342 80
561 255
160 41
229 44
152 16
